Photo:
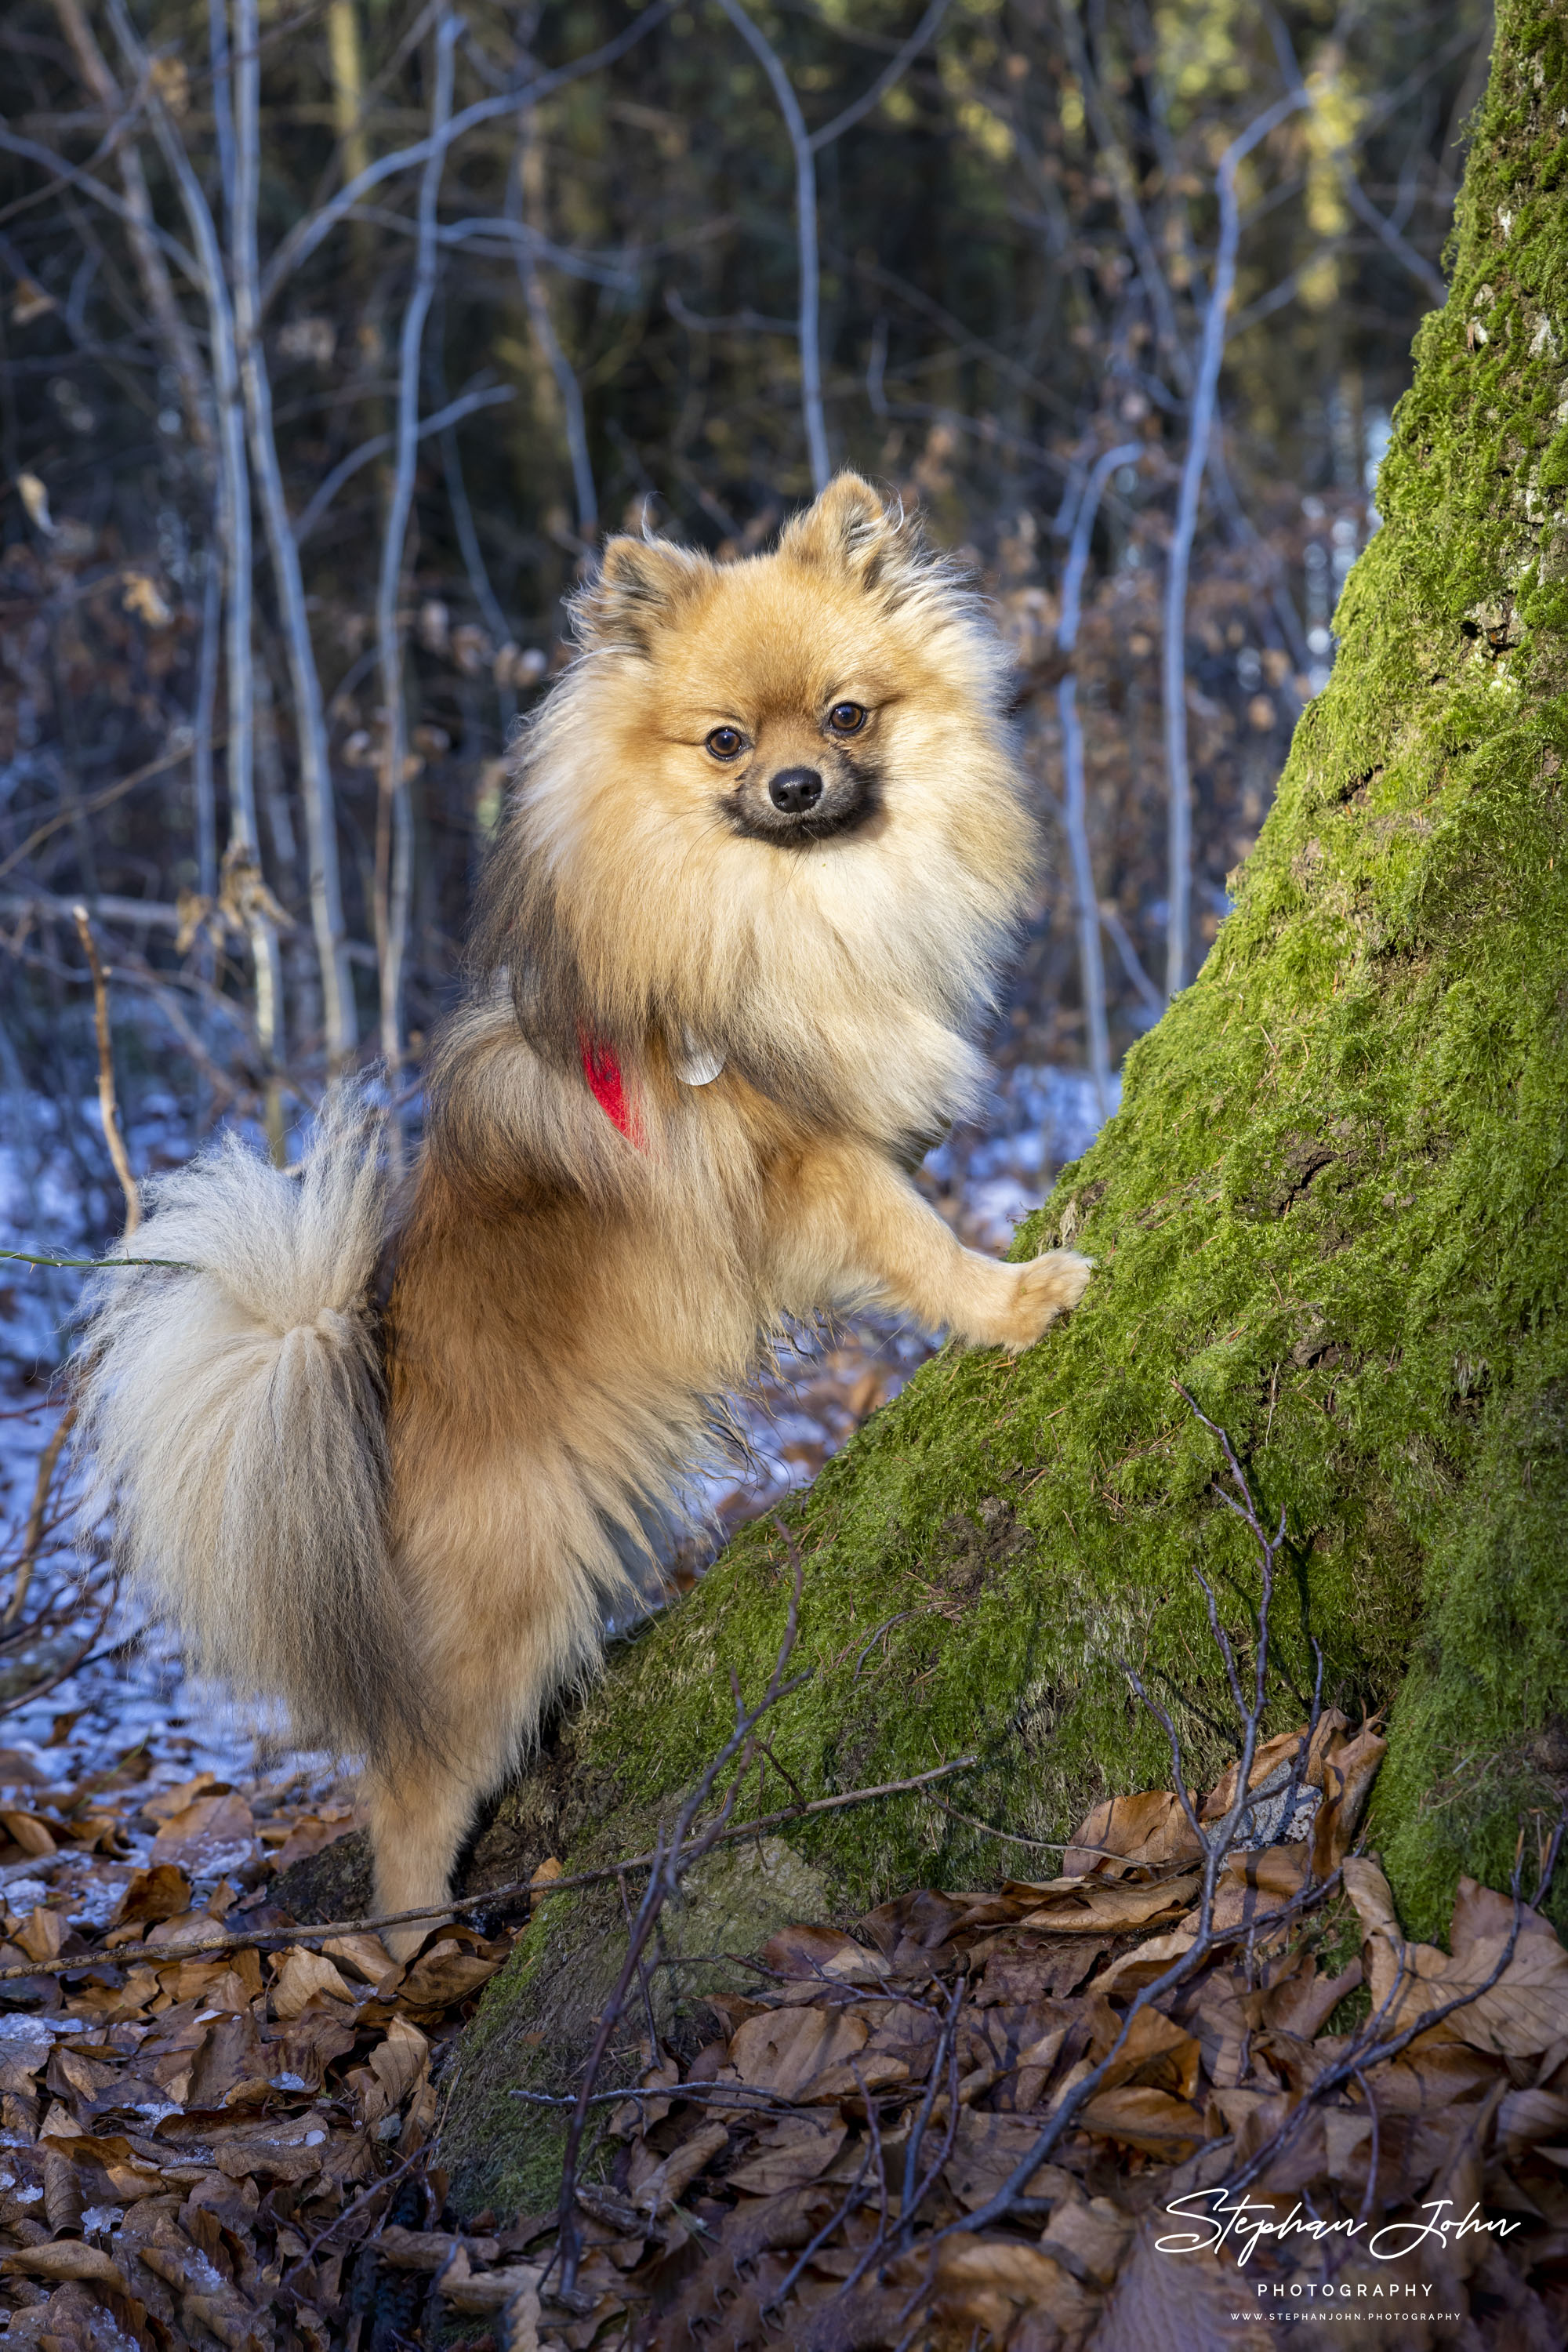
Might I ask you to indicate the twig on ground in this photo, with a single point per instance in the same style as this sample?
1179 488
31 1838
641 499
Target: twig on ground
723 1834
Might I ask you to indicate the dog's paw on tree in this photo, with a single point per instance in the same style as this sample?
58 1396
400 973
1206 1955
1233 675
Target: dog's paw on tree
1333 1205
1047 1285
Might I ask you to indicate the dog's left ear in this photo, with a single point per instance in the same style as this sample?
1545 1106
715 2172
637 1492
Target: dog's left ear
850 531
640 586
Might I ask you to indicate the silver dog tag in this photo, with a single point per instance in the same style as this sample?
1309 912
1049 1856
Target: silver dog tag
697 1065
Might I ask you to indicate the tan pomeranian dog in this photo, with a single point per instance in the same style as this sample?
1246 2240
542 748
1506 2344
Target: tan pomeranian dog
766 850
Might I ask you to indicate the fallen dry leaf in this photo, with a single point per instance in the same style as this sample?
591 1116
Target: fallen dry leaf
444 1975
1149 1830
32 1834
310 1834
304 1977
67 2259
549 1869
1077 1906
663 2187
1347 1778
365 1955
162 1893
162 1807
791 2152
213 1838
1144 2118
984 2283
822 1954
785 2051
394 2069
1137 1969
43 1935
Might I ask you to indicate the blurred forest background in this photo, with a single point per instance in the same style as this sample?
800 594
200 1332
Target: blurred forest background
332 339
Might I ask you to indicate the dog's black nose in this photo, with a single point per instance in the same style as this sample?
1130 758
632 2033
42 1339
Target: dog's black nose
795 790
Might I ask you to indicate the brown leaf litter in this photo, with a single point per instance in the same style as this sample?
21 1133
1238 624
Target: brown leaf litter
241 2149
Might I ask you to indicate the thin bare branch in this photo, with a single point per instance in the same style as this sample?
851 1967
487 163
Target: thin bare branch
108 1098
141 227
536 300
806 146
493 395
32 1534
340 1019
1178 560
1075 815
310 233
395 820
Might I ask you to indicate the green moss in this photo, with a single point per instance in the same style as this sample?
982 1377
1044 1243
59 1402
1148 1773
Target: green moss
563 1971
1333 1205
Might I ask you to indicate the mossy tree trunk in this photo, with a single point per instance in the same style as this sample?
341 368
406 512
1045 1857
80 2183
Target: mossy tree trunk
1335 1204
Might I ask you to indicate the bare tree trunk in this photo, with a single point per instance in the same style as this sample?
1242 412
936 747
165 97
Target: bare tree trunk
173 331
1178 561
339 1018
347 57
1075 812
395 827
242 859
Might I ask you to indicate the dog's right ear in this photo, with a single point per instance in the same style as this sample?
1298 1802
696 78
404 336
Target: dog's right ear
850 530
641 587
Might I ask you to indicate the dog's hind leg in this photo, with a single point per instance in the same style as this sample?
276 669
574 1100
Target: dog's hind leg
419 1817
490 1574
421 1802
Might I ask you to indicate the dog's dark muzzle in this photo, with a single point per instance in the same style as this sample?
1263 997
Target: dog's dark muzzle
797 806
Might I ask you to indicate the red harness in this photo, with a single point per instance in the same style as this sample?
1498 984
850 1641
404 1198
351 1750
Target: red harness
603 1071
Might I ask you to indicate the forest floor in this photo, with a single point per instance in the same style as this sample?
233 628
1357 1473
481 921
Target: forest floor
215 2126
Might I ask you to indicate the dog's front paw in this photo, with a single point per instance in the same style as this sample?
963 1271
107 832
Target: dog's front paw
1046 1287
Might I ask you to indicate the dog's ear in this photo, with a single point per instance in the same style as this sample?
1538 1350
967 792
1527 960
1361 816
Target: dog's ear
850 531
640 586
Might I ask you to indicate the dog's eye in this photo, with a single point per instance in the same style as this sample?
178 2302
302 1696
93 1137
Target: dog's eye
847 719
725 742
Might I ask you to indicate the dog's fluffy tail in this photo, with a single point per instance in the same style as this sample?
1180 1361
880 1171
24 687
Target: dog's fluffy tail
234 1410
